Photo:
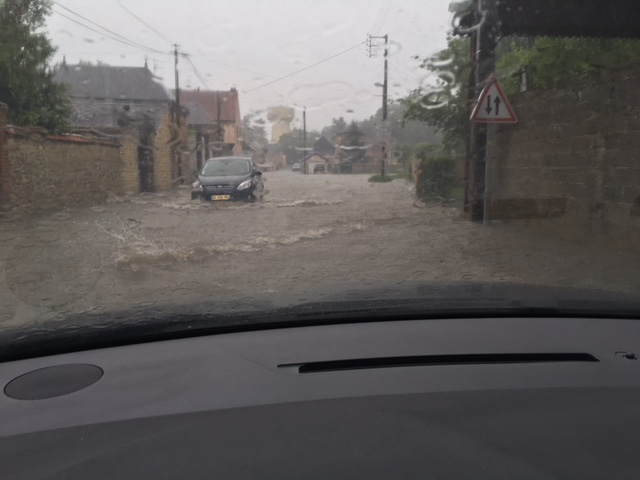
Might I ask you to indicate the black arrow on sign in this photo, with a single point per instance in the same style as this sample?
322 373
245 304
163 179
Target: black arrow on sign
497 102
489 104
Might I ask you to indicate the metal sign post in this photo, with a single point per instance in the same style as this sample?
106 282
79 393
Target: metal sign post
493 106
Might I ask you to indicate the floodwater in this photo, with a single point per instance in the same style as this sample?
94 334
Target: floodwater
313 233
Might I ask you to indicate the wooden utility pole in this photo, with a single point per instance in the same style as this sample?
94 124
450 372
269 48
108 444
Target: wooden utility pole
175 55
384 107
304 137
385 90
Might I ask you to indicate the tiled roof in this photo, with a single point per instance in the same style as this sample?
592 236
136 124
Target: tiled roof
105 82
209 101
197 114
315 154
324 146
100 114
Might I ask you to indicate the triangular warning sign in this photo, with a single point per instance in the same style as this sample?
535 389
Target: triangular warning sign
493 105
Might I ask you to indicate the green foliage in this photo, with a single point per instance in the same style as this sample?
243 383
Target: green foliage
442 102
354 137
27 83
408 132
427 150
436 174
403 153
338 125
292 143
253 132
551 60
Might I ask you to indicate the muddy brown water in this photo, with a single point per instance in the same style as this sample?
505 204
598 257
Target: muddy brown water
310 232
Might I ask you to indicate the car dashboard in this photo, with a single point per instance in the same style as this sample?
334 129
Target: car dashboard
454 398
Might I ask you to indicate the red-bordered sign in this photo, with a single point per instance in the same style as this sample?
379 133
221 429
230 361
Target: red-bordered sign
493 105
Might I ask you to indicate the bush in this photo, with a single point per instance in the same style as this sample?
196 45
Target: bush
436 178
382 179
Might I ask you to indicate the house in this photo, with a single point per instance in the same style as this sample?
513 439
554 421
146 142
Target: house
313 159
324 147
215 123
128 105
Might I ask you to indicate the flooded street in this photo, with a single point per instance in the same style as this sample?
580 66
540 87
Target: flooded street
312 233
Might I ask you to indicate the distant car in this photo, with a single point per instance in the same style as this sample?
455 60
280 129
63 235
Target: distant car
295 167
320 168
229 179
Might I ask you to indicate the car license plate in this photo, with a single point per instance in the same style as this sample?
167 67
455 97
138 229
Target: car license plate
220 197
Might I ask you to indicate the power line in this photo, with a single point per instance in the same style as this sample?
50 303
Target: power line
204 59
403 75
306 68
196 71
97 31
161 35
384 18
408 67
375 22
407 72
120 38
126 41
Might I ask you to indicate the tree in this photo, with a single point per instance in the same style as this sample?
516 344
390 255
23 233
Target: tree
291 143
443 104
254 131
353 141
550 60
338 125
410 132
27 82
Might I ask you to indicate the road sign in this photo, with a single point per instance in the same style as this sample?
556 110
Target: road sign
493 105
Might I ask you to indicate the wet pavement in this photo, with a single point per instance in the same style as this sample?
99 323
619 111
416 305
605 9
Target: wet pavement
311 233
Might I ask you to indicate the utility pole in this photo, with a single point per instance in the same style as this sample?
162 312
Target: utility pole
175 55
385 89
304 137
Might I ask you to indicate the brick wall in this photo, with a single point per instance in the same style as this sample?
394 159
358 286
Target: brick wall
574 155
57 173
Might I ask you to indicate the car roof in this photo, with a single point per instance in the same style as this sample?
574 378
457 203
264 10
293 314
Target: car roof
227 158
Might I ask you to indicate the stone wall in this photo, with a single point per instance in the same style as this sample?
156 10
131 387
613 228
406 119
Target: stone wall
130 169
573 156
57 172
41 171
5 173
171 158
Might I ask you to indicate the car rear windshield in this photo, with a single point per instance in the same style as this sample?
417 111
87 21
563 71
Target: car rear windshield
227 167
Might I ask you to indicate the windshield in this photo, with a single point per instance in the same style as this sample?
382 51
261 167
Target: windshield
409 151
226 167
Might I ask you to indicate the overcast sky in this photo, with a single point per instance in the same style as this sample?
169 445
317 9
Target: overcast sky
249 43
